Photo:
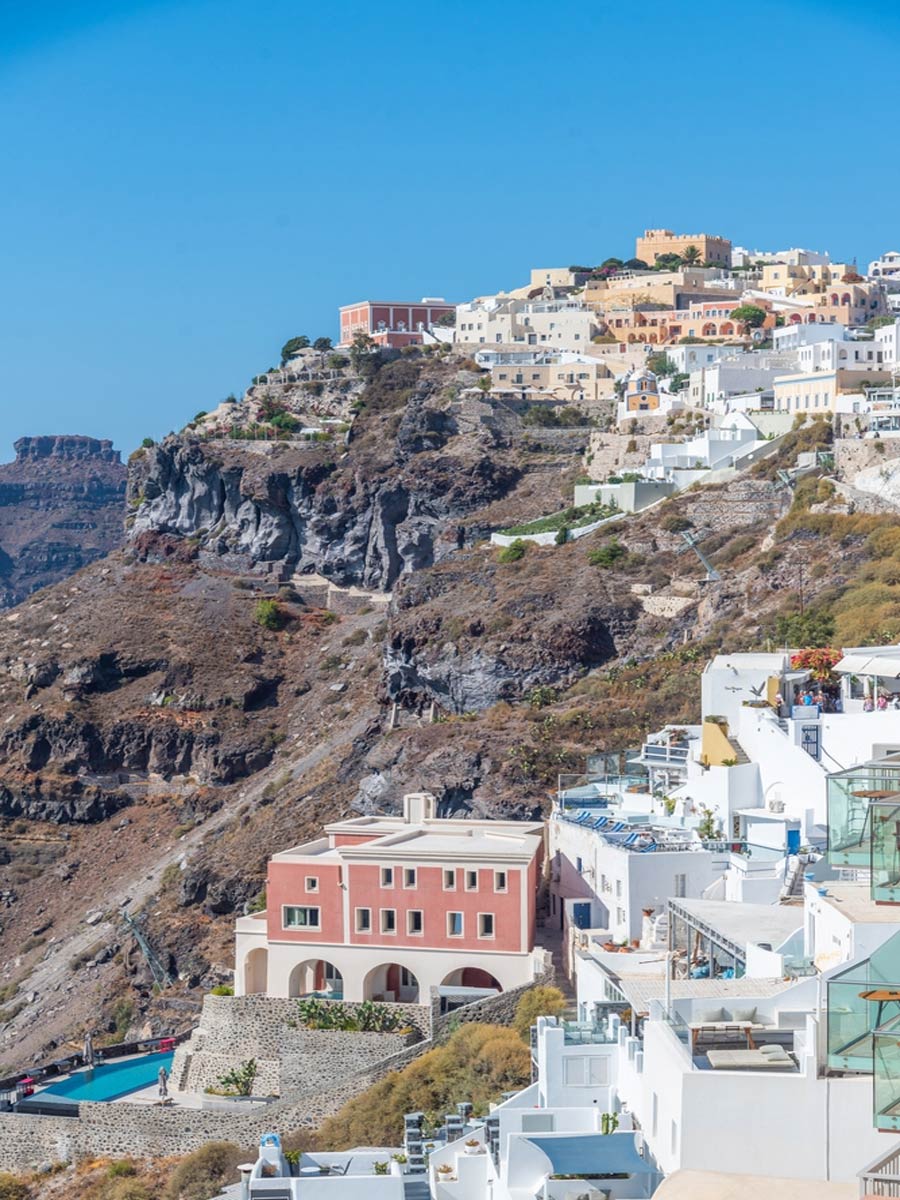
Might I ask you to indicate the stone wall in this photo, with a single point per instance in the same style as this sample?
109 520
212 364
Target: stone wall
609 453
151 1131
852 455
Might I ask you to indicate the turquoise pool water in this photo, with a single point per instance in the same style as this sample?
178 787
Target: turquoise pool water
108 1081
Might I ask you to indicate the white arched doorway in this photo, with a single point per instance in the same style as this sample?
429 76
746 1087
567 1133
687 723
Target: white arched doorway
256 971
316 977
392 982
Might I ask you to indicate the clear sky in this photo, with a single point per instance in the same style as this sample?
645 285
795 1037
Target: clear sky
187 184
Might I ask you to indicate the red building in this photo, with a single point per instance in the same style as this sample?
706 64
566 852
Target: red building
392 322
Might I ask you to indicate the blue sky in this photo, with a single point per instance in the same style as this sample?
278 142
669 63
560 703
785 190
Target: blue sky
188 184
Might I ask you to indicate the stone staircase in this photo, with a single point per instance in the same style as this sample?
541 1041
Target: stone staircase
739 752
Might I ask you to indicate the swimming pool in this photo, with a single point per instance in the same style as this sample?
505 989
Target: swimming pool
109 1081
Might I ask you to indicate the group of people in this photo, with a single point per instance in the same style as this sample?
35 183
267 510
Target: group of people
882 701
827 700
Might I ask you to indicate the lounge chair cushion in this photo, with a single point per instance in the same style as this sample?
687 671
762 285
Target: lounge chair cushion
744 1014
733 1060
712 1016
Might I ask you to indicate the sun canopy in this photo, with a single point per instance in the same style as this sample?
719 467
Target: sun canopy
593 1154
860 662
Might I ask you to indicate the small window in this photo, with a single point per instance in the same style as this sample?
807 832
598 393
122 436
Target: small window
312 883
578 864
681 885
500 881
409 877
388 920
471 881
364 920
450 881
387 877
299 917
485 925
454 924
415 921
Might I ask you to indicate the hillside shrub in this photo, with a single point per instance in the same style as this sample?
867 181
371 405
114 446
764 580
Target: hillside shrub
513 552
675 524
204 1172
121 1167
537 1002
13 1188
608 555
268 615
477 1063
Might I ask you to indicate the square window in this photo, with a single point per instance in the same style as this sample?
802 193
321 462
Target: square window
364 920
409 877
388 920
500 881
449 881
387 877
485 925
299 917
415 921
454 924
471 881
312 883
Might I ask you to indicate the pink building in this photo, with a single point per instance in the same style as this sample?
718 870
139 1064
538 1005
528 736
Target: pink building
390 907
392 323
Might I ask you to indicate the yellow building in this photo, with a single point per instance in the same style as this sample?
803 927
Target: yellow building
823 391
663 241
674 289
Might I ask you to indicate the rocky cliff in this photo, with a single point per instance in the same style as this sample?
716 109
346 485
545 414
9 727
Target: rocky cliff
61 507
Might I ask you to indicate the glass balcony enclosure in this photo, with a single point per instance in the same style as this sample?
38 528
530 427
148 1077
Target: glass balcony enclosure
860 1000
885 851
851 794
886 1091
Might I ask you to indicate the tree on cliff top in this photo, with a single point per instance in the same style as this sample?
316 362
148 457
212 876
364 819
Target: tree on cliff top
293 346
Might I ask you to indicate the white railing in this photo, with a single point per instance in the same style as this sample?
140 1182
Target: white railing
881 1177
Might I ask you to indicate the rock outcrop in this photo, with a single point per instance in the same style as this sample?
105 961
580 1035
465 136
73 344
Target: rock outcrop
61 507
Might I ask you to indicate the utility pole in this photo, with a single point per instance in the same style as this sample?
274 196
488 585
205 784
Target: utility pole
801 588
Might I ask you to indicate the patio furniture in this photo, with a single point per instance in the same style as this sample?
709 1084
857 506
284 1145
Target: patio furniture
739 1022
768 1058
881 997
727 1029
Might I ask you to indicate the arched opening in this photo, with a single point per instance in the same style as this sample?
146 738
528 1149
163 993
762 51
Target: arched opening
811 319
392 983
472 977
316 977
796 319
256 971
709 330
845 299
834 298
727 329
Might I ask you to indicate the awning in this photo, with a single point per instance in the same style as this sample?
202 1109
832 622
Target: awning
593 1154
885 665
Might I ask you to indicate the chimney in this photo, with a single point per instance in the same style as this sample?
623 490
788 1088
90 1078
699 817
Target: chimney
418 807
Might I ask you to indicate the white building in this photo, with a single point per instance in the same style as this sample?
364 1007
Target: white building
731 444
756 370
692 358
886 267
794 334
742 257
559 324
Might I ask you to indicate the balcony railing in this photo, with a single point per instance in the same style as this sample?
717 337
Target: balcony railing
659 754
594 1033
882 1177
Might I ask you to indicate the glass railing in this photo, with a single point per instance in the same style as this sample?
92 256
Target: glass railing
850 796
590 1033
886 1090
860 1000
678 1026
659 754
885 852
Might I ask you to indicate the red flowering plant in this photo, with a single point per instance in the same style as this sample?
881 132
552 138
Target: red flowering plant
819 661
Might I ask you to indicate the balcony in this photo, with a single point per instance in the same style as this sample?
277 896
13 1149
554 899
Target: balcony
602 1032
881 1177
850 797
885 851
862 999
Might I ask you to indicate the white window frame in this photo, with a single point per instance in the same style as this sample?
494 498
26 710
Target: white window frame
489 937
420 932
468 887
462 925
451 886
301 908
504 886
407 871
311 883
356 921
382 913
387 877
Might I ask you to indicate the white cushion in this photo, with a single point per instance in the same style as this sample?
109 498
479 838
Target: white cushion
744 1014
712 1016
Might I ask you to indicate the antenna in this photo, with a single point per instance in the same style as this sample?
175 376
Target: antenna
712 575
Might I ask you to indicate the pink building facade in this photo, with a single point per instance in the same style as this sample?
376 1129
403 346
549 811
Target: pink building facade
387 908
391 323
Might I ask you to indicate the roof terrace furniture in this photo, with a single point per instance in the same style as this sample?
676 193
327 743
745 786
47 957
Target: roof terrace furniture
768 1058
720 1023
856 1001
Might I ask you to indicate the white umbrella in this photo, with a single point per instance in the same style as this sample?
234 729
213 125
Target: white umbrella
88 1051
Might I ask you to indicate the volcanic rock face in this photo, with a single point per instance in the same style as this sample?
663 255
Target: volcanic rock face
61 507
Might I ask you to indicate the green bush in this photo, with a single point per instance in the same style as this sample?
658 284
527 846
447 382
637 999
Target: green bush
121 1167
222 989
203 1173
148 443
268 614
126 1189
675 524
513 552
239 1080
608 555
562 535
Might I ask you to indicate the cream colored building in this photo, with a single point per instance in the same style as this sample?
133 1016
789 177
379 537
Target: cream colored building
663 241
824 391
674 289
557 277
558 324
576 379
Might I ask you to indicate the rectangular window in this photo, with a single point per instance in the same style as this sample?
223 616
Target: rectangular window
578 864
454 924
364 920
500 881
681 885
409 877
485 925
312 883
620 916
299 917
449 881
618 889
471 881
387 877
388 920
415 921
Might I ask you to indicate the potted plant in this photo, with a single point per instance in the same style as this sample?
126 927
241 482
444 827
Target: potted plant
445 1172
381 1167
473 1146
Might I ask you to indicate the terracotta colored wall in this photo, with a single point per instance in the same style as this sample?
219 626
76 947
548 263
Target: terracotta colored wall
286 885
429 896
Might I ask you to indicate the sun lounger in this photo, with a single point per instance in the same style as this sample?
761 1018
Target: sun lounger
765 1059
